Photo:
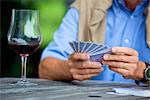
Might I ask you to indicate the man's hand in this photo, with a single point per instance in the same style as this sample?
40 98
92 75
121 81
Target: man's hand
124 61
82 68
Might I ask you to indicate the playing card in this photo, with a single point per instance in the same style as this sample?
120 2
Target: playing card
102 52
96 48
72 46
95 51
91 47
88 45
75 43
101 49
81 46
97 57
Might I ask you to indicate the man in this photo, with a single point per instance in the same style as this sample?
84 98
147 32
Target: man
123 22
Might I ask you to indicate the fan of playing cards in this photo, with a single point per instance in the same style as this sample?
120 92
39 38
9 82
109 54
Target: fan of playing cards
95 51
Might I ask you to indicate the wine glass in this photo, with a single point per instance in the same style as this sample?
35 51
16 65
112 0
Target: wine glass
24 37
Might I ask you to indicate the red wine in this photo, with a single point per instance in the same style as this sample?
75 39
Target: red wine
24 49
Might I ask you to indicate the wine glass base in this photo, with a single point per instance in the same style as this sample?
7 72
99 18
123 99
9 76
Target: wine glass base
24 83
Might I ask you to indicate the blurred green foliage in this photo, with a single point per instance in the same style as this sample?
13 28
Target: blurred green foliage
51 14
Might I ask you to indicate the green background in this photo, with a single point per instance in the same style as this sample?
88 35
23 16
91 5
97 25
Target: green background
51 15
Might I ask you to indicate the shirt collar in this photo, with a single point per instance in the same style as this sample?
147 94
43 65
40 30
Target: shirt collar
120 4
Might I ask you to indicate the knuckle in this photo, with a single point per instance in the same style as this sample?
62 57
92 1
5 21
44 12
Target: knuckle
121 64
75 77
134 59
87 64
134 52
99 64
81 78
73 71
94 64
75 55
82 56
120 58
109 56
96 71
112 63
86 76
82 71
84 64
70 64
87 71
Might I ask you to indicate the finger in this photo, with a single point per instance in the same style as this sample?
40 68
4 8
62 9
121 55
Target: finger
79 56
123 72
86 64
124 58
83 77
124 50
85 71
122 65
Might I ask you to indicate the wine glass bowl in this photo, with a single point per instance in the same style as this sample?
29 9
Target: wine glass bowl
24 36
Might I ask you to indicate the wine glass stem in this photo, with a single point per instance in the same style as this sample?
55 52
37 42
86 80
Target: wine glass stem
23 65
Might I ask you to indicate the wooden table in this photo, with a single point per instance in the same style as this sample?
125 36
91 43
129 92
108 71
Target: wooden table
56 90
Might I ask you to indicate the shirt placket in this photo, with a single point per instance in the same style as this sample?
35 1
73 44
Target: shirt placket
127 36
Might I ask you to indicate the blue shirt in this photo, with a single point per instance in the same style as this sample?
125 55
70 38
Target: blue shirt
123 28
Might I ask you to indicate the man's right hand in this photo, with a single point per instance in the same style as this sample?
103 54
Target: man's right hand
82 68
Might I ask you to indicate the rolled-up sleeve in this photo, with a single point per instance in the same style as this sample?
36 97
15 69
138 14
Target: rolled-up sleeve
59 48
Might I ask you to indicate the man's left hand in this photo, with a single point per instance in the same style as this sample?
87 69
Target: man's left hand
124 61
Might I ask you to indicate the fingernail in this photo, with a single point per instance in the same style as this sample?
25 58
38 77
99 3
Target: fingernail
88 56
103 61
100 65
106 57
101 69
114 50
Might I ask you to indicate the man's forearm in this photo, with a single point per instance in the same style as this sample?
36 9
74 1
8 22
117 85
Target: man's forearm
54 69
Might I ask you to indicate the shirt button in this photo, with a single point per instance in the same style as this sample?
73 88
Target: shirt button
120 1
126 41
132 17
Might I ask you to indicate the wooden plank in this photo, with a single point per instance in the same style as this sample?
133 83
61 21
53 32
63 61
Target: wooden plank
56 90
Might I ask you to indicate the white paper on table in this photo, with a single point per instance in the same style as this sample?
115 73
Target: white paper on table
133 91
